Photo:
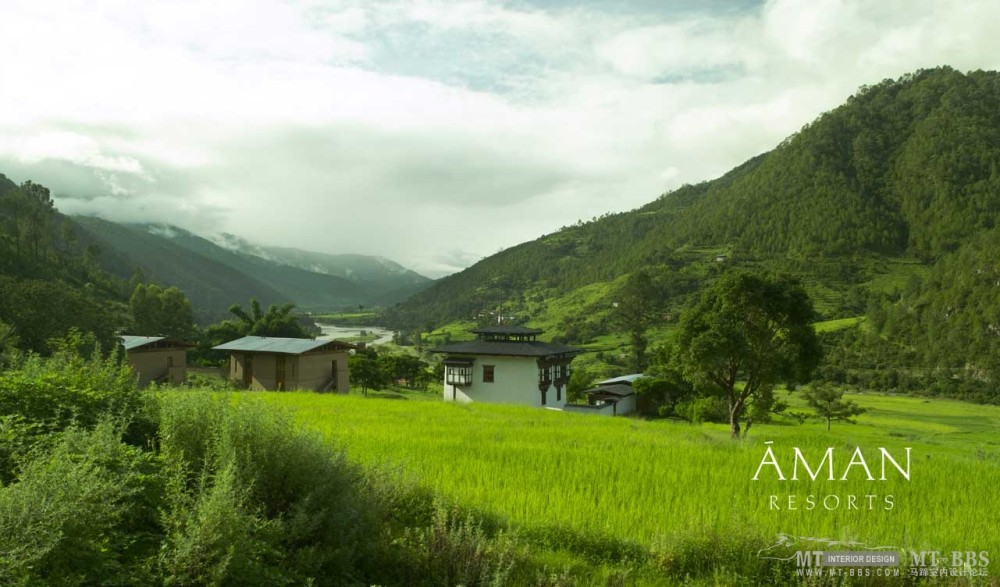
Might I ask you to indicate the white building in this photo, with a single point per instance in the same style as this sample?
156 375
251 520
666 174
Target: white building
507 365
611 397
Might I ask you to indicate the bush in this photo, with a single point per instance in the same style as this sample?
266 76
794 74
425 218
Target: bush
245 474
455 550
84 509
46 395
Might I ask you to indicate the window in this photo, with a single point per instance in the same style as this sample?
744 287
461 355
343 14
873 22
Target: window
458 375
488 374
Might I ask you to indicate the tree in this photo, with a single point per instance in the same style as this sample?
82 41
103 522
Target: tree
744 335
367 370
637 306
277 321
403 367
40 311
829 403
161 311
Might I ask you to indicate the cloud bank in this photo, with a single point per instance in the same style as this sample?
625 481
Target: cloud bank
430 132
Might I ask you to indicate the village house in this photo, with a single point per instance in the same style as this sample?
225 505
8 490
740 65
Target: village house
507 365
157 358
277 364
611 397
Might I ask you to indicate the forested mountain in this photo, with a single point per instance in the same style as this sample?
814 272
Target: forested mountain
211 285
386 281
905 169
49 284
215 276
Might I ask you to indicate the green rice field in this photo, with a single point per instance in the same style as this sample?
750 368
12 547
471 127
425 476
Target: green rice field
642 482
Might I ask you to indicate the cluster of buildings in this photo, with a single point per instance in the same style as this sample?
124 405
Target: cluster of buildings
504 365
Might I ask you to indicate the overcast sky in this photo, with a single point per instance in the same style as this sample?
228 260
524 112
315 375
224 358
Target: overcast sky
433 133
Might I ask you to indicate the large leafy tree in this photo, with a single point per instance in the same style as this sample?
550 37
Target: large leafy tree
745 334
39 311
161 311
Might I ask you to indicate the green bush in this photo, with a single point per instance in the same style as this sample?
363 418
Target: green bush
455 550
82 510
40 396
245 473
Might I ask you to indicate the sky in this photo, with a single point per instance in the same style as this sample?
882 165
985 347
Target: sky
434 133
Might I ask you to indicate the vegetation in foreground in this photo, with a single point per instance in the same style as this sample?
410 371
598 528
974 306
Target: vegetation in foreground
101 480
105 484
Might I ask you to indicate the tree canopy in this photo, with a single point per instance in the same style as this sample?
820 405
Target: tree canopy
161 311
745 334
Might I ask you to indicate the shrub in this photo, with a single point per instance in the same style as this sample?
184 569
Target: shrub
455 550
46 395
244 473
84 509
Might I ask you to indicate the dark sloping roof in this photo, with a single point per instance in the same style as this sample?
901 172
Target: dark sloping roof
506 329
615 389
284 346
627 379
134 342
515 349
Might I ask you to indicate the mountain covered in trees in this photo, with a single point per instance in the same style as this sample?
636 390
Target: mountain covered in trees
50 282
214 276
387 281
886 205
60 273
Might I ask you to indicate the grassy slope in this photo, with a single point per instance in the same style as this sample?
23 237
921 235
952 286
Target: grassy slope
630 481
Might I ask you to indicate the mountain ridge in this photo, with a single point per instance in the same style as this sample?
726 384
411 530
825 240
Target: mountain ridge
904 169
216 277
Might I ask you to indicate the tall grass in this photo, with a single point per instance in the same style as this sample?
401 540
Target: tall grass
573 480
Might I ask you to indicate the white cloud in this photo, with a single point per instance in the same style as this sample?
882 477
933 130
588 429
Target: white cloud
430 132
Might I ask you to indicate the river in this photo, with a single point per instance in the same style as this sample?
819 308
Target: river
341 332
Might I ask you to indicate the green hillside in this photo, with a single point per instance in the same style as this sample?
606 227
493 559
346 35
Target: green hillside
385 281
50 283
211 285
862 204
308 289
217 274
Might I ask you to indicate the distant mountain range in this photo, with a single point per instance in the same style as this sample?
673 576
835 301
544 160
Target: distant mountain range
227 269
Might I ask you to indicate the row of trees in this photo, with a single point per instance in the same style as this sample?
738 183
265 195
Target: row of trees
373 370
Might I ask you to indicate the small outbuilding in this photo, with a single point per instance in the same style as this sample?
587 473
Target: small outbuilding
157 358
267 363
611 397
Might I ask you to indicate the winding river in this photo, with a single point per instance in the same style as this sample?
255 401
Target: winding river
331 331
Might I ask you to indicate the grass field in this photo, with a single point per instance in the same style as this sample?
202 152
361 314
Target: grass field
568 478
